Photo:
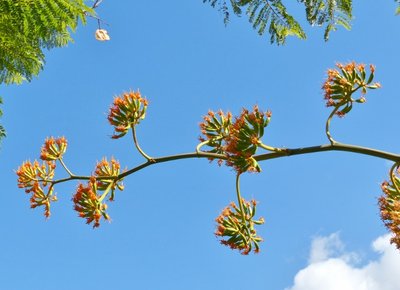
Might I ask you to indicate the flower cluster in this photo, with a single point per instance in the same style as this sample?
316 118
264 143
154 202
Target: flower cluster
35 178
216 128
106 169
53 148
236 225
38 179
89 204
238 140
245 138
40 198
126 112
343 82
389 204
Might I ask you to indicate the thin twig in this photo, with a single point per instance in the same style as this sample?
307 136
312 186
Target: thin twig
96 4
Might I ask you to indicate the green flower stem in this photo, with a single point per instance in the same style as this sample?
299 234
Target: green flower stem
239 197
171 158
50 191
82 177
201 145
105 192
138 147
270 148
65 167
328 123
261 157
240 201
330 147
355 89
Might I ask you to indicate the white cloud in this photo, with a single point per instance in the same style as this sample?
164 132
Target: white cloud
324 247
331 268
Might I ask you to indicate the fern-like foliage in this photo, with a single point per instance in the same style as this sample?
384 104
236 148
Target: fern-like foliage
273 14
29 26
264 15
398 7
222 6
329 13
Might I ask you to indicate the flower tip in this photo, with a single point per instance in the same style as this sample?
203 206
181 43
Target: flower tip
372 68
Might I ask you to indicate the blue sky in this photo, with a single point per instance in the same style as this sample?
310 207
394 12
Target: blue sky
320 210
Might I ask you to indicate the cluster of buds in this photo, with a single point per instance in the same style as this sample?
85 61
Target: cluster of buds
126 112
53 148
31 173
389 204
236 226
106 173
88 200
343 82
216 129
36 178
238 140
89 204
245 138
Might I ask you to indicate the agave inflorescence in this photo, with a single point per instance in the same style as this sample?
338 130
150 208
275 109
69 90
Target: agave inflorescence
108 173
235 225
36 179
234 140
237 139
389 204
89 204
126 112
343 82
53 148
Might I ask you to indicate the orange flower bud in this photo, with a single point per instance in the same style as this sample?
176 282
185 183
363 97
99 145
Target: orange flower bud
343 82
106 173
53 148
88 204
239 234
389 205
127 111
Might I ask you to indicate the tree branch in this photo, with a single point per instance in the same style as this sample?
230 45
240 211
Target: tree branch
261 157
